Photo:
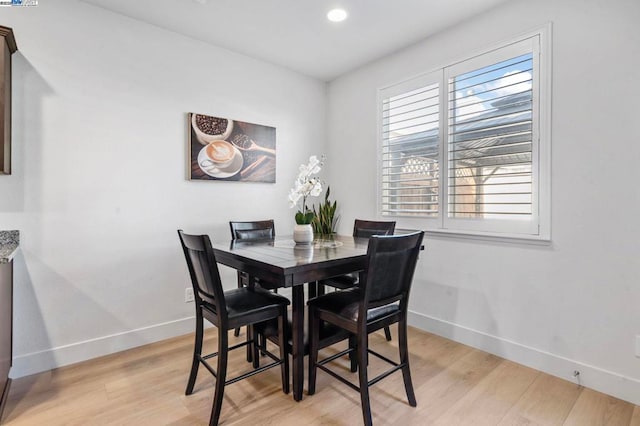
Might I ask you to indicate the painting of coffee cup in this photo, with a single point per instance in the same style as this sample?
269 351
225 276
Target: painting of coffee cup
226 149
219 153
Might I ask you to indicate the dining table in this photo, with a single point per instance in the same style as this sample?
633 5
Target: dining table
281 263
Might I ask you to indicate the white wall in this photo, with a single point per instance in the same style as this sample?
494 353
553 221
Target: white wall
99 185
571 305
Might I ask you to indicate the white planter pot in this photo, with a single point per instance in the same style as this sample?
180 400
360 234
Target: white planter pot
303 234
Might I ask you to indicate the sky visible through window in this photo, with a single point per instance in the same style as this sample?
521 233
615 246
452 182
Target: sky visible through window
490 134
476 91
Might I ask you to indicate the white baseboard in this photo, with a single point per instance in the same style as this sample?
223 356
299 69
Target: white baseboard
37 362
593 377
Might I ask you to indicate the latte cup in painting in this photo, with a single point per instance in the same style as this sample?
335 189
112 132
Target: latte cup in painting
219 154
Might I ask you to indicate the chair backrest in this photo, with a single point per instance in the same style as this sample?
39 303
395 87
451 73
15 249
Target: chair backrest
391 262
257 230
368 228
203 269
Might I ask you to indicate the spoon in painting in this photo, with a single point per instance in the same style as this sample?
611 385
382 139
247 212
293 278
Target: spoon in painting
244 143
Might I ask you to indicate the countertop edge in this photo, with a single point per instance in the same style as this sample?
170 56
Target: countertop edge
9 243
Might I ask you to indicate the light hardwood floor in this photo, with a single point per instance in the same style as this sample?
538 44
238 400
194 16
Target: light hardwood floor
454 384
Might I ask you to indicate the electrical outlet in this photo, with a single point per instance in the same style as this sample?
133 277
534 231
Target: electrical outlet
188 295
638 345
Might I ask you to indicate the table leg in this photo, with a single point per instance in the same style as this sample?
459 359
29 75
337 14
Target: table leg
298 340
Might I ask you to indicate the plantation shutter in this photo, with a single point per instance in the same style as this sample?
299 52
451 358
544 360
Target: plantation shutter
491 138
466 149
410 148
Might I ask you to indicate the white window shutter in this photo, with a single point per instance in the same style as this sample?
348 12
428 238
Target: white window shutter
466 149
410 145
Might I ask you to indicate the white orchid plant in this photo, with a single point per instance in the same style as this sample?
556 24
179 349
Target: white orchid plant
306 185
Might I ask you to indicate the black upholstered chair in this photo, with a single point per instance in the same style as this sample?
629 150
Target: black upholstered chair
227 310
380 300
369 228
361 229
256 230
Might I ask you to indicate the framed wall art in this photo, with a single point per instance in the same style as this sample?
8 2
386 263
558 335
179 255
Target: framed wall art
231 150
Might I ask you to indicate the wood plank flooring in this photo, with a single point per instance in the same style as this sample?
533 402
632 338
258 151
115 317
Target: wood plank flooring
454 384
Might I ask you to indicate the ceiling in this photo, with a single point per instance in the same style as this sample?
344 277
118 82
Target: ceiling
296 33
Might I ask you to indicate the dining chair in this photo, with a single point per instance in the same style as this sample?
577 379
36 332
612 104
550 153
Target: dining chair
250 230
361 229
227 310
253 230
380 300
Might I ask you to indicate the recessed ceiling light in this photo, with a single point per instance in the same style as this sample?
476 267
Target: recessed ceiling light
337 15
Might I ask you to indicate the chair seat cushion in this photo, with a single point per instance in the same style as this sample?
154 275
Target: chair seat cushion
341 281
346 304
248 305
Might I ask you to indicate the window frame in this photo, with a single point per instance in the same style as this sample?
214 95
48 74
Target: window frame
539 228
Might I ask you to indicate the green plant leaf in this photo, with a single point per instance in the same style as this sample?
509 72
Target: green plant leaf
305 218
308 217
325 219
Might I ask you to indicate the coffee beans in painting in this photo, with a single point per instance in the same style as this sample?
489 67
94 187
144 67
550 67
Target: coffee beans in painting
211 125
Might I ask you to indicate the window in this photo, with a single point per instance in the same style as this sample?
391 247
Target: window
410 149
465 146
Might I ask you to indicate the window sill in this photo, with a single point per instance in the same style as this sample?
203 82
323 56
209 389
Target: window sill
502 238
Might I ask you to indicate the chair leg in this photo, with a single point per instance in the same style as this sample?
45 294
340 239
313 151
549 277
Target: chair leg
284 356
223 354
404 359
387 333
262 341
314 338
197 351
236 332
313 289
353 356
254 345
362 375
249 345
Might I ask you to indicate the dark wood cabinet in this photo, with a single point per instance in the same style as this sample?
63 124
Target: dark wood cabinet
6 328
7 48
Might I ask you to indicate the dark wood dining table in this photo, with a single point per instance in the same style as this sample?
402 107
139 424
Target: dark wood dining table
280 263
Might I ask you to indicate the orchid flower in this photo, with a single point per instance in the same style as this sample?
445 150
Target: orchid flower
306 185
